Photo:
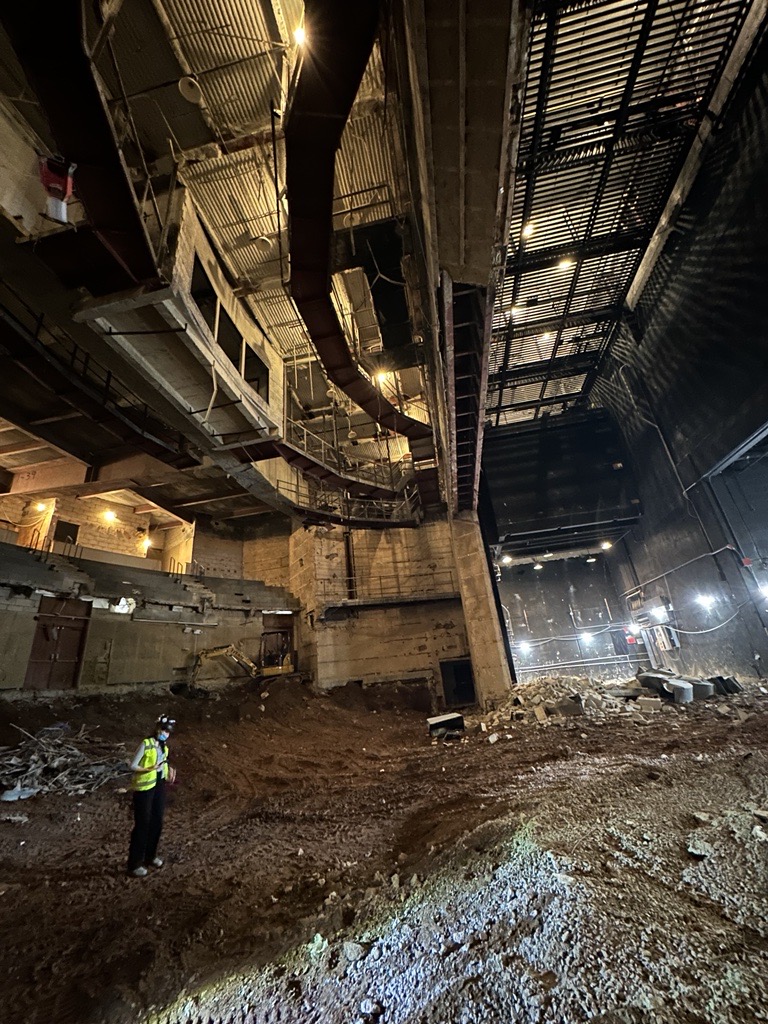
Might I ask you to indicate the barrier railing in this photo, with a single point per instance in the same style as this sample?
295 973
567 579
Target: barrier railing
384 474
438 582
63 350
338 505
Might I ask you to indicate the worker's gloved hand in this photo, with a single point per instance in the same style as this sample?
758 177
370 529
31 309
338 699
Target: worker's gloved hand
171 775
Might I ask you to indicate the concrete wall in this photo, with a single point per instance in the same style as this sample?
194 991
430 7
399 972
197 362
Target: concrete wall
123 535
121 650
686 378
124 651
266 556
375 642
17 628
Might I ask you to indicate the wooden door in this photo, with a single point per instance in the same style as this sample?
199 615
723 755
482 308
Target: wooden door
58 644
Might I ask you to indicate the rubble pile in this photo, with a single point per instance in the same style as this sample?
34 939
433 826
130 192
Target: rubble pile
54 761
560 699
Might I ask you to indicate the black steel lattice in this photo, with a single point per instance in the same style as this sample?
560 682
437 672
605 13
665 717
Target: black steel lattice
615 94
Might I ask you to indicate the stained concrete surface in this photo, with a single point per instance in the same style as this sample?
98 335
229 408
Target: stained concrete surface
327 862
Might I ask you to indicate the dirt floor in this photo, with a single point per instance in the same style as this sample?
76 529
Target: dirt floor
326 862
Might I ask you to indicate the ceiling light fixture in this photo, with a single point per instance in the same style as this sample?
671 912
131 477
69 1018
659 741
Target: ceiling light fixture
528 230
705 600
591 559
606 545
524 647
40 506
549 554
633 628
191 91
537 565
659 613
506 560
565 263
586 638
110 516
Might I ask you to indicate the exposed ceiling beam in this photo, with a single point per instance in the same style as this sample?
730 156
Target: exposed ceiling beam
20 447
552 323
209 499
600 245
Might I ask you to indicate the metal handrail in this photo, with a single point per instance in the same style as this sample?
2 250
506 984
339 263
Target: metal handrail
440 582
330 504
387 474
65 351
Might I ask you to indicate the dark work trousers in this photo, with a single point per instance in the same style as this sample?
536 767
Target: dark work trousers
148 809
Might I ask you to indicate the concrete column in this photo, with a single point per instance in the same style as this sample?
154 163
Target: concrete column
486 643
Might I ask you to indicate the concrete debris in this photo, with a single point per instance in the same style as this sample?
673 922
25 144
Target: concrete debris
353 951
15 819
700 850
53 761
557 699
493 738
441 725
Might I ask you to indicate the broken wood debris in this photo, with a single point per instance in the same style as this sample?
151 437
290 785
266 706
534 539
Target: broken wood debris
53 760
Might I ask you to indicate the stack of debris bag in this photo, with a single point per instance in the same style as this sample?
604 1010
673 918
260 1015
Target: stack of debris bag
683 689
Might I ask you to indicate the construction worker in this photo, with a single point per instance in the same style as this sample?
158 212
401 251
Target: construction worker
151 772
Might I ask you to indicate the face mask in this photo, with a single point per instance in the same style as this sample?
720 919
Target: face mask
163 736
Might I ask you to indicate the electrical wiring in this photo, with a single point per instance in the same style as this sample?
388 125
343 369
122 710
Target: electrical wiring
698 632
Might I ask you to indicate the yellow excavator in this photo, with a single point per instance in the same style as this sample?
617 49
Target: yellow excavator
275 656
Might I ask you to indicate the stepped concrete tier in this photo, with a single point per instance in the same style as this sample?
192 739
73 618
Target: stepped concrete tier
58 575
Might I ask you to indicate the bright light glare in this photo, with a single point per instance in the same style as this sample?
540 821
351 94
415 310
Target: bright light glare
146 543
705 600
382 377
300 35
564 264
586 638
591 559
659 613
537 565
506 560
110 516
548 554
528 230
764 591
40 506
524 647
606 545
633 628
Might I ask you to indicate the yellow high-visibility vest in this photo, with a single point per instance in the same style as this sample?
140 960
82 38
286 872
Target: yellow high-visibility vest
143 781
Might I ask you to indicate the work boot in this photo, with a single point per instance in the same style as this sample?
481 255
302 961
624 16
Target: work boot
138 872
156 862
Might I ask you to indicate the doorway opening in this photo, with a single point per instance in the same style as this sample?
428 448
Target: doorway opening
58 644
458 683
